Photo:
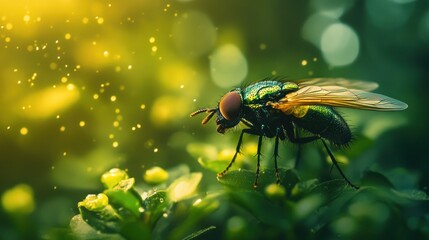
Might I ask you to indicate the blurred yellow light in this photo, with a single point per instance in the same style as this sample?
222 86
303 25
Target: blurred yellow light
169 109
47 102
67 36
18 200
9 26
23 131
100 20
27 18
178 74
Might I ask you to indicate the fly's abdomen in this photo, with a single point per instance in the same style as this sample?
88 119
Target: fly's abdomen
323 121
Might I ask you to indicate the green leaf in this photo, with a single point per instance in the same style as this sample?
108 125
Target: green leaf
245 179
113 177
200 209
199 233
127 203
184 187
81 230
323 203
155 206
264 209
124 198
106 220
213 165
136 231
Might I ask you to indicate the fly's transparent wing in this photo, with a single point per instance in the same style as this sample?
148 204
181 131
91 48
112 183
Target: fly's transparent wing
341 82
338 96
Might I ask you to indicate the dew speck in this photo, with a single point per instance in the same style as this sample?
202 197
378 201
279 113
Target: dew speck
23 131
304 62
82 124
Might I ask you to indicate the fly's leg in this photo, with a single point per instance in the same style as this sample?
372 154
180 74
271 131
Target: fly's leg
255 185
237 149
337 166
276 154
291 135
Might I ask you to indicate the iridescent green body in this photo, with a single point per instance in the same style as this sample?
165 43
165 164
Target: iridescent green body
323 121
257 94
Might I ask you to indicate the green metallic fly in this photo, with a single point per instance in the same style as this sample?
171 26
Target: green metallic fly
276 108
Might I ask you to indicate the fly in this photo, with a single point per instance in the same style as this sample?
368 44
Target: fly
277 109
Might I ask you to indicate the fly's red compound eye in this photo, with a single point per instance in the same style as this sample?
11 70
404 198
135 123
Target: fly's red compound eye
230 105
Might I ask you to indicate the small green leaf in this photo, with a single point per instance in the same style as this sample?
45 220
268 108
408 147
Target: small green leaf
155 206
245 179
371 178
126 202
184 187
213 165
81 230
126 184
263 208
199 233
200 210
155 175
106 220
113 177
415 195
94 202
304 187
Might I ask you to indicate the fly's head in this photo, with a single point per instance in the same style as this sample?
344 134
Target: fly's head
228 112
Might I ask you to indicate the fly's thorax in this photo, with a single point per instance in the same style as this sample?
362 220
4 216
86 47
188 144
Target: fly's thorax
263 91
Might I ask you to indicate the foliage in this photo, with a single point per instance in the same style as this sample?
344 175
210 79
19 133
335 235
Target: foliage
295 209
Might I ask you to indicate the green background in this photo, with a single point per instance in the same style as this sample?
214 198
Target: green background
90 85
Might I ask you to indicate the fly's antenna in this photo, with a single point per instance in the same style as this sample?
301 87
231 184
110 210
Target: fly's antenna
210 112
